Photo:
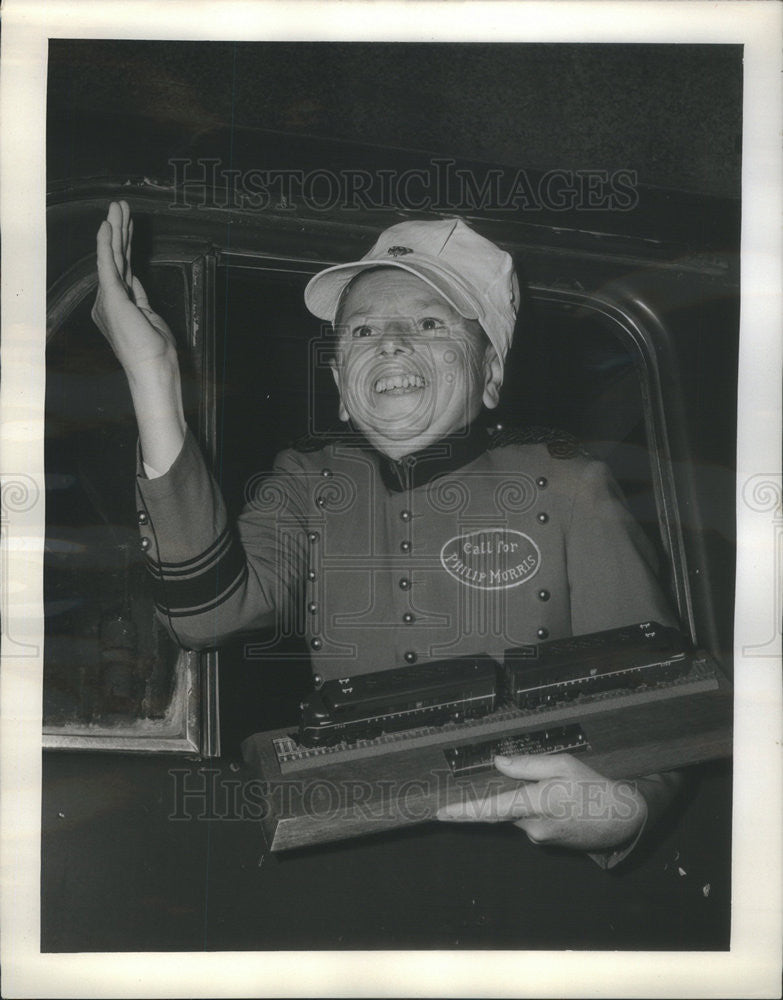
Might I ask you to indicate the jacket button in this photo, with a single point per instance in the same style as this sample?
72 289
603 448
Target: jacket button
316 643
326 473
320 501
410 656
541 482
312 536
141 517
311 575
542 518
312 607
405 546
405 583
408 618
543 633
405 515
145 544
544 595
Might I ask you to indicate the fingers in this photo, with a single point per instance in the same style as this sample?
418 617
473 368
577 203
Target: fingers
121 226
536 767
514 804
545 780
125 241
139 295
113 242
115 221
107 269
538 831
128 267
564 803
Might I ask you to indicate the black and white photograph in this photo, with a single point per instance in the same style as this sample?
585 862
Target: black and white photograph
393 510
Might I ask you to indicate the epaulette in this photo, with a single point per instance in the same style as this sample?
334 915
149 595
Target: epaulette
561 444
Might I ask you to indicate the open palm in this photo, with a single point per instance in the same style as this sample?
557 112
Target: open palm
137 335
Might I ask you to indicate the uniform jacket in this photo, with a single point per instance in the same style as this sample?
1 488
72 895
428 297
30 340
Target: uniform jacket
486 540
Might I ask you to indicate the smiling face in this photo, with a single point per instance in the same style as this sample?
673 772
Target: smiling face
409 368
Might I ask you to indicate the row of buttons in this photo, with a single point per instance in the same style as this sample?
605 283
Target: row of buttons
404 583
321 501
408 618
142 519
405 515
542 518
312 607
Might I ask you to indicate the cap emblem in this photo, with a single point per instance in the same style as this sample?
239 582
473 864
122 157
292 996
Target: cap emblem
398 251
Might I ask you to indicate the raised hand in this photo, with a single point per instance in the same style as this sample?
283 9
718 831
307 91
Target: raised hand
142 341
137 335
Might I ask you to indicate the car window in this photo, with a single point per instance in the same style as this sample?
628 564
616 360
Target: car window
108 664
577 370
573 369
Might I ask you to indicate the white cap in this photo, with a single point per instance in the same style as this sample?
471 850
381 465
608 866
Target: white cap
474 276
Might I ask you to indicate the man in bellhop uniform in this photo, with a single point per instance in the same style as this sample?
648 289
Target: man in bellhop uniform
424 531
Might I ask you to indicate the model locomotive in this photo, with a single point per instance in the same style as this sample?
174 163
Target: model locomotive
536 677
622 659
366 705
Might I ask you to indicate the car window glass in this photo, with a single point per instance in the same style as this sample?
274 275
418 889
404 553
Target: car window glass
107 662
572 370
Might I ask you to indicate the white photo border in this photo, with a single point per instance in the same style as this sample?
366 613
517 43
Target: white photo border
753 965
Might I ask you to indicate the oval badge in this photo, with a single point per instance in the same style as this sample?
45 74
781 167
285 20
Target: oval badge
492 559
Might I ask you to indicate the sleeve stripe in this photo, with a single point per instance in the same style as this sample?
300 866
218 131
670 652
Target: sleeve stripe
209 555
190 611
211 584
